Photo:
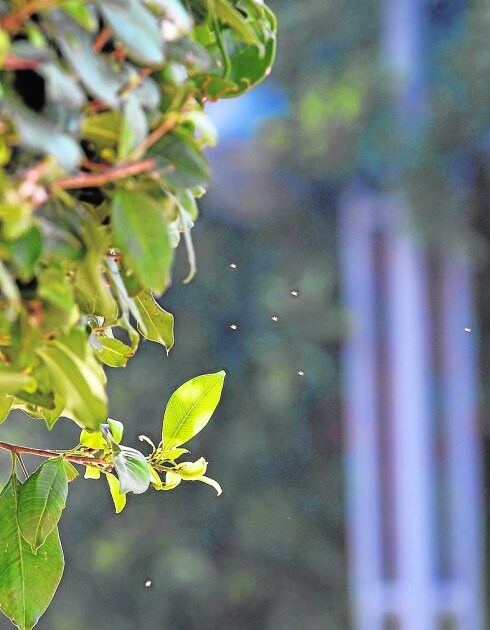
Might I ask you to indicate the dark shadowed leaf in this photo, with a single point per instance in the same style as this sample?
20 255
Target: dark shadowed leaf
140 232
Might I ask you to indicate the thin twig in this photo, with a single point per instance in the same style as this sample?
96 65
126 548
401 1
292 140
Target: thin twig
154 136
13 21
89 180
40 452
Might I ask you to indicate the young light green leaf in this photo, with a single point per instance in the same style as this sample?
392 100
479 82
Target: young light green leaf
190 408
132 469
79 382
172 480
158 323
211 482
192 470
92 439
91 472
28 581
118 498
173 454
116 428
70 470
42 500
140 232
5 406
114 352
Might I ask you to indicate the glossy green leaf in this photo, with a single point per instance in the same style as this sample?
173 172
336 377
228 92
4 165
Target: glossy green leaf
231 16
79 381
132 469
137 29
158 323
42 501
28 581
114 353
190 408
140 232
118 498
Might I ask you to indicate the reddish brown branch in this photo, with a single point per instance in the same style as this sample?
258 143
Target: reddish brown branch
76 459
93 180
12 62
154 136
102 38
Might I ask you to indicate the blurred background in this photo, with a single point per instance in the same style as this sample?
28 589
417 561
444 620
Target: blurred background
363 103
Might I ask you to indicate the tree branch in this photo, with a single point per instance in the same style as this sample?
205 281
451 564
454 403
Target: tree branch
94 180
76 459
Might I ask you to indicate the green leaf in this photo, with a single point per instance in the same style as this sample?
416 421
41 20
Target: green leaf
181 163
28 581
132 469
91 472
55 288
12 381
172 480
159 324
116 428
231 16
140 232
79 381
51 416
192 470
92 439
42 500
82 14
70 471
173 454
190 408
114 353
5 406
118 498
26 252
95 73
37 133
136 28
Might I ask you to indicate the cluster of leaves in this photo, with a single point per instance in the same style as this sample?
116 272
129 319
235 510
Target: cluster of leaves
102 132
123 86
31 564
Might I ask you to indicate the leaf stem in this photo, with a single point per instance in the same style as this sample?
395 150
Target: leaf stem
16 449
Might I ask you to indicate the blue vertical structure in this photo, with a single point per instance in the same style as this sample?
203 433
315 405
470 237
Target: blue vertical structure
413 469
